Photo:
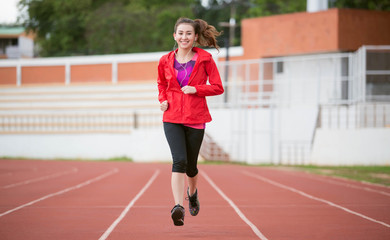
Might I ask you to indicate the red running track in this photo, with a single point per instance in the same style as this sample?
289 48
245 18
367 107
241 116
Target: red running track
120 200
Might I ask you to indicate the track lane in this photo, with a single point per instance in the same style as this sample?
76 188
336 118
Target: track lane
267 180
282 214
369 187
63 191
370 203
109 230
150 218
41 178
83 213
14 197
17 171
86 213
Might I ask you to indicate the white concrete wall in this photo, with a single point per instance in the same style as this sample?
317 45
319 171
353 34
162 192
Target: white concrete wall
140 145
298 123
12 52
26 47
294 134
369 146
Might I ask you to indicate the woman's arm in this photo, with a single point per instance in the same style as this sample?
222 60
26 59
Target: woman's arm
215 87
161 81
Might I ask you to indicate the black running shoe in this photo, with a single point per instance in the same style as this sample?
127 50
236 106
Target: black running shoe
194 202
177 214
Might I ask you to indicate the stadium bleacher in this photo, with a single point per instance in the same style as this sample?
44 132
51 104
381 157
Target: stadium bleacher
78 108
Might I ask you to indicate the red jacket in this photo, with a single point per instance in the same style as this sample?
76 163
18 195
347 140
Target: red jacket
188 108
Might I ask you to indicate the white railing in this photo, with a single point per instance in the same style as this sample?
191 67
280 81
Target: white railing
364 115
294 152
117 108
289 81
64 123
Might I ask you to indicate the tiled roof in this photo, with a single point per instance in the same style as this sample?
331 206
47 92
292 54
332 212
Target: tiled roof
11 30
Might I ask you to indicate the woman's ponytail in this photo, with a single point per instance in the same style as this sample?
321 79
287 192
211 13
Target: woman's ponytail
207 34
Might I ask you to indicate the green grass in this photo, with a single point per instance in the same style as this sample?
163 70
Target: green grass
372 174
120 159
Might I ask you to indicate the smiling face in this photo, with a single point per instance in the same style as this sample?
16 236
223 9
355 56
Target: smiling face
185 36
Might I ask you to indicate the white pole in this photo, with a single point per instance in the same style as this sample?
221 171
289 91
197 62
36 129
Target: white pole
316 5
249 135
67 73
114 72
19 74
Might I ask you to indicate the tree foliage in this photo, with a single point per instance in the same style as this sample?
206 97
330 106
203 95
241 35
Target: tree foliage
116 27
383 5
272 7
82 27
74 27
217 12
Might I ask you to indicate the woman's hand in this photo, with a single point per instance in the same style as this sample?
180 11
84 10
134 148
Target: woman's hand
188 90
164 106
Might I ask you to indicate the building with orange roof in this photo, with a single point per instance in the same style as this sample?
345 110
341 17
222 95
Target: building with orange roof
15 43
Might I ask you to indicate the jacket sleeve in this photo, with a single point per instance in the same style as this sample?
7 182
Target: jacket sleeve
161 81
215 87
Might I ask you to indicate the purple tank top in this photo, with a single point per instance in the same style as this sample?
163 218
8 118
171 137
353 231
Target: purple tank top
184 70
183 73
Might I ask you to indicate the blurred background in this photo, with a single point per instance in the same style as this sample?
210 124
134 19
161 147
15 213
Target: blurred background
67 28
306 81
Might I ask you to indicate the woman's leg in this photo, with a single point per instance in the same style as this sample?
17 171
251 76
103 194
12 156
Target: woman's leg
175 135
178 184
194 138
192 183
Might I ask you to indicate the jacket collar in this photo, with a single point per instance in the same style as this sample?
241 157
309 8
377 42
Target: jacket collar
203 55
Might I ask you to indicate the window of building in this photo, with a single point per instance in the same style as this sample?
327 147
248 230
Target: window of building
279 67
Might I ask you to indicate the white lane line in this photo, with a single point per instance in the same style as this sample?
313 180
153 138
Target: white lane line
126 210
264 179
370 183
40 178
323 179
234 206
100 177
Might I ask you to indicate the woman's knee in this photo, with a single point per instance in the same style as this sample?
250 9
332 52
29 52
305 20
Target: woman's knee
192 172
179 166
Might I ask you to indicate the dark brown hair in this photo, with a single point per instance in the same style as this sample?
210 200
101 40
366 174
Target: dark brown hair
207 34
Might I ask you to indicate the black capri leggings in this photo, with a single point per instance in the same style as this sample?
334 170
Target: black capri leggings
184 143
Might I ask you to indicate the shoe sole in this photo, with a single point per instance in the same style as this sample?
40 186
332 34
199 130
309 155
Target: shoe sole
177 217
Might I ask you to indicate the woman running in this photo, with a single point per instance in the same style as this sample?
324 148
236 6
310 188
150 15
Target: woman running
182 84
